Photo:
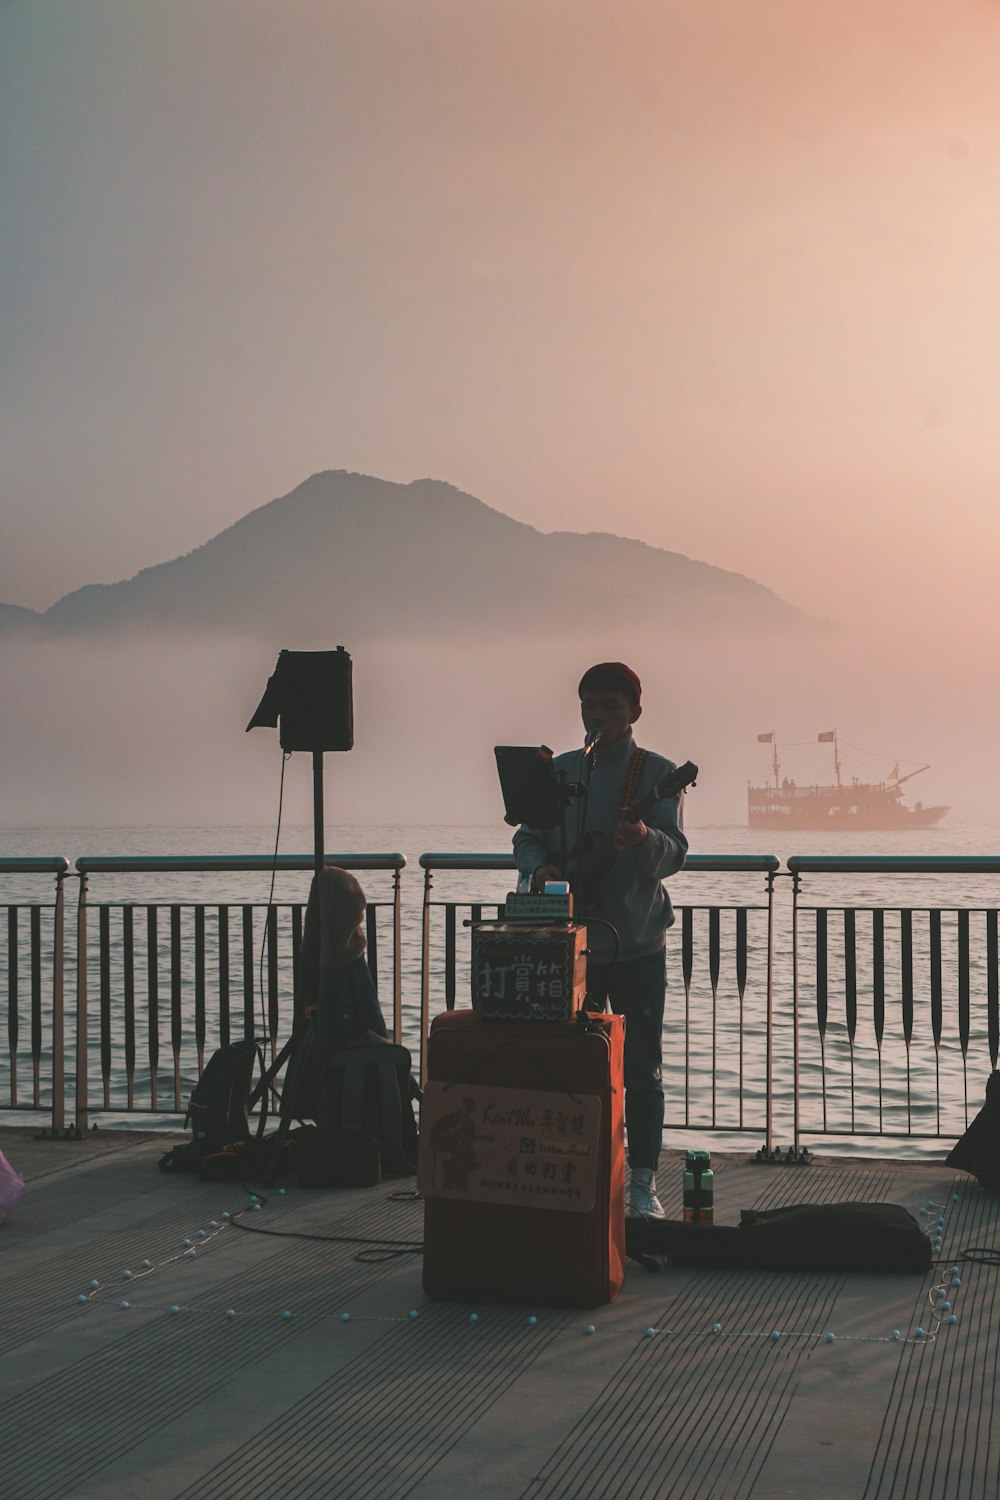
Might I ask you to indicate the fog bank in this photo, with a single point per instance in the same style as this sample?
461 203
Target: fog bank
153 731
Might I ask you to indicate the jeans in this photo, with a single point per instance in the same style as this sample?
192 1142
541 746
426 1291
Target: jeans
636 990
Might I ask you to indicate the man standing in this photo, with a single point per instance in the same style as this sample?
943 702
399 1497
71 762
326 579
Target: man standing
632 898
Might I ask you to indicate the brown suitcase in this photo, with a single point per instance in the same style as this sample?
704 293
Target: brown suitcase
544 1103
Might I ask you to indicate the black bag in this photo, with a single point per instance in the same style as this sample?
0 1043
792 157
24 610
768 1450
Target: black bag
802 1237
341 1158
241 1161
366 1088
220 1104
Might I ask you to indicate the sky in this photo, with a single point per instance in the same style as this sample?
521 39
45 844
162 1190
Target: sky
717 274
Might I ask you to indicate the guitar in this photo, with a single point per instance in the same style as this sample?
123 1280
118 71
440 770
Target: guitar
598 852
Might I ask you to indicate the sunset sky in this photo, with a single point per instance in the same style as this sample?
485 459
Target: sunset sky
723 275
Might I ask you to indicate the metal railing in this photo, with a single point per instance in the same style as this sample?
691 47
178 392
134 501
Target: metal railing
718 1062
174 980
467 863
46 1034
876 1016
727 968
893 1003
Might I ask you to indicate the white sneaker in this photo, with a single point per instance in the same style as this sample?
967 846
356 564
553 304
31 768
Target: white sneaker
641 1201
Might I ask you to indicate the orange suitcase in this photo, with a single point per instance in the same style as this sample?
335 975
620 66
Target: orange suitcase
522 1160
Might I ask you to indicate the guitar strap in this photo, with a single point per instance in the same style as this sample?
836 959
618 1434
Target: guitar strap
632 777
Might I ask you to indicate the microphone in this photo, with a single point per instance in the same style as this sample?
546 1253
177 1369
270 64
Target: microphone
590 743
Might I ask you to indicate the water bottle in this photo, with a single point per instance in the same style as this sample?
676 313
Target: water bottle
699 1185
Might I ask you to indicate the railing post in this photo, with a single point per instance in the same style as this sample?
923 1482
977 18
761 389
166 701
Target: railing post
769 1023
425 971
58 1005
397 956
795 1013
81 1096
12 1016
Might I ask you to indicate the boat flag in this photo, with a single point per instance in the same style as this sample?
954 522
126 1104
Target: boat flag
894 773
765 739
827 737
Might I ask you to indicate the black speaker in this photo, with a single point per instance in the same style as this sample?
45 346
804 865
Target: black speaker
312 692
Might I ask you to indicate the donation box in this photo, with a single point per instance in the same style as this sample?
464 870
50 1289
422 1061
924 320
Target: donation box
526 973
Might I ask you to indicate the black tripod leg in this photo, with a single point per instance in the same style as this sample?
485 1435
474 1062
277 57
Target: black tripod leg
298 1067
274 1069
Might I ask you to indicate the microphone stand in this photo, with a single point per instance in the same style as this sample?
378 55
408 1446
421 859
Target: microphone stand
566 793
581 790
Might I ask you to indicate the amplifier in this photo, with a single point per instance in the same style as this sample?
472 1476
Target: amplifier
525 973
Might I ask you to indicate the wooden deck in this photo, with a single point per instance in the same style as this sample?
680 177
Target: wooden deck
369 1390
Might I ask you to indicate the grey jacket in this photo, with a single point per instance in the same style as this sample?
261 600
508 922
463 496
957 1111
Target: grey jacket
634 902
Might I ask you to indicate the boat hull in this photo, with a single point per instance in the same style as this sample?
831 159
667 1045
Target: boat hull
839 810
927 818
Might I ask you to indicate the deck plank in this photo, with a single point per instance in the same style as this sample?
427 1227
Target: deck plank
108 1403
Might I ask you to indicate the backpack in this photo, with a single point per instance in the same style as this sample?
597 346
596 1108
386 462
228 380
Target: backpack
340 1158
364 1091
220 1104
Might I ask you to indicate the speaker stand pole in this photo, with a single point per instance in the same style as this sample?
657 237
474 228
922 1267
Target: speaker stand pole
317 810
300 1045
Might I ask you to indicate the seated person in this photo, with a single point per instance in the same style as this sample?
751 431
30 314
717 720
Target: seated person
335 977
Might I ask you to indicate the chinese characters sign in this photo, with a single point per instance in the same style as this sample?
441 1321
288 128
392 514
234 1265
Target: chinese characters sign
522 1147
528 973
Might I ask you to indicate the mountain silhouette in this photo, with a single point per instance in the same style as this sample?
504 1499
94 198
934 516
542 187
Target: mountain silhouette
15 619
348 555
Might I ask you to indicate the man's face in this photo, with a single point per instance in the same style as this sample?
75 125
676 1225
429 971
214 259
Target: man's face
611 713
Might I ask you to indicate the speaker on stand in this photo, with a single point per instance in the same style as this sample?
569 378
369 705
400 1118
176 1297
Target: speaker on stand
309 698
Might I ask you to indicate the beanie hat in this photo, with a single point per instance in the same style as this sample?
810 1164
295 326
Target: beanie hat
612 677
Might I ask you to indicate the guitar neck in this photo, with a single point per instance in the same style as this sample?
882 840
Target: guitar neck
668 786
602 853
645 805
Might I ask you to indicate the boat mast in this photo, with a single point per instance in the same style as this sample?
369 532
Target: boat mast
828 736
774 763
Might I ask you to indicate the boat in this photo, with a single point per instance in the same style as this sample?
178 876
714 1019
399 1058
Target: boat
845 806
